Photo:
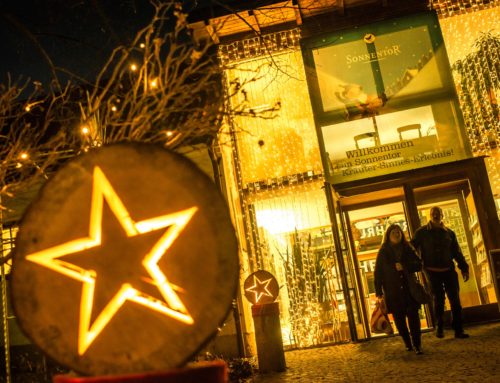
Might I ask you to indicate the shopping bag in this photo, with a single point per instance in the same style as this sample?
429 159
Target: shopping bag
379 321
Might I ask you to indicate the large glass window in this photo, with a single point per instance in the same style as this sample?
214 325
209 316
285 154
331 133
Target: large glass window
275 186
275 133
296 245
7 316
384 99
8 238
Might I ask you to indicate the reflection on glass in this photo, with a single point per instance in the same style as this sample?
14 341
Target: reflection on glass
479 257
350 278
8 238
346 141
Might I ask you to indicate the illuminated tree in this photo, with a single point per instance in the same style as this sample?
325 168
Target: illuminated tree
479 88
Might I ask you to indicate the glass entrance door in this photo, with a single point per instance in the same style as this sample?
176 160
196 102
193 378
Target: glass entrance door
367 216
368 226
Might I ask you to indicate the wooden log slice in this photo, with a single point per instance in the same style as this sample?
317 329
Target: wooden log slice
261 287
126 262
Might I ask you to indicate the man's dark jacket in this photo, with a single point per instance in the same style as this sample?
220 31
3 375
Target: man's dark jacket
439 247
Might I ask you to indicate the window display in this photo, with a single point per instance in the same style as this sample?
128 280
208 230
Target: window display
384 99
296 246
275 132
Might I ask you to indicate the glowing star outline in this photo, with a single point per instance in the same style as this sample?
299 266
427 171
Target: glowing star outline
171 306
256 288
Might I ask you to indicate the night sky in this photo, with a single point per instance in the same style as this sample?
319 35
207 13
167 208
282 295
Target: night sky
77 35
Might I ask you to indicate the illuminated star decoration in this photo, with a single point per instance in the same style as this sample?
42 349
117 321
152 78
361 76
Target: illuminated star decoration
260 288
174 223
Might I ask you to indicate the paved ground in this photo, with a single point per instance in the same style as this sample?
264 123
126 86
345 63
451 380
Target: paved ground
476 359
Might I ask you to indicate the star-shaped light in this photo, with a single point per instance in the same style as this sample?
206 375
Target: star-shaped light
171 305
260 288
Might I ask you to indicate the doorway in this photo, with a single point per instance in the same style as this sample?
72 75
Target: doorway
460 215
367 215
367 222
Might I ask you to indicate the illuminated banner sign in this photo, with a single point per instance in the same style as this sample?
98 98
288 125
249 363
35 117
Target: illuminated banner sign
377 145
384 99
127 262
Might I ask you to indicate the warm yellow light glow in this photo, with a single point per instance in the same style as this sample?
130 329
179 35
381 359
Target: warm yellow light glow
113 108
24 156
30 105
285 144
154 83
142 45
169 133
172 306
133 67
471 36
260 288
85 129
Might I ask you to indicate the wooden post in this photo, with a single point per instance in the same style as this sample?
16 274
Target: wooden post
266 319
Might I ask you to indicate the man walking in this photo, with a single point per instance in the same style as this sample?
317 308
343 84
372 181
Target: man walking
438 248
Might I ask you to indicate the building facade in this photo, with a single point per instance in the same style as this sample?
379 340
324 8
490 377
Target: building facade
348 130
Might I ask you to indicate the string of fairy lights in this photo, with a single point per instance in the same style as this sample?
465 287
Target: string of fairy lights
265 176
472 37
278 166
259 46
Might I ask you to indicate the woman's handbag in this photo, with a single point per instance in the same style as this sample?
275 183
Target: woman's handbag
379 321
418 291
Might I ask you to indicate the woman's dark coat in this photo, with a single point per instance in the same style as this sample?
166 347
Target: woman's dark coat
393 283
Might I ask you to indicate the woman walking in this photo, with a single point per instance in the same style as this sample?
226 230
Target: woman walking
396 262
